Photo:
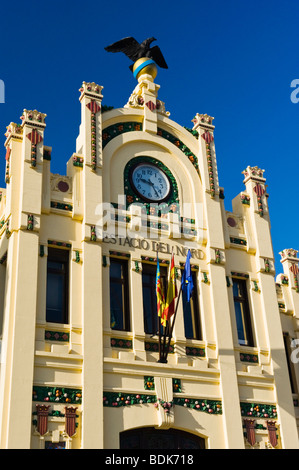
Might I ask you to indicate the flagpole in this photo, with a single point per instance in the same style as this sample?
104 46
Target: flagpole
172 324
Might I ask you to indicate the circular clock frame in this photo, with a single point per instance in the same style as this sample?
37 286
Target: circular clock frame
157 168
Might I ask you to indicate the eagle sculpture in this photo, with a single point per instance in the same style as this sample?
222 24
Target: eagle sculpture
135 50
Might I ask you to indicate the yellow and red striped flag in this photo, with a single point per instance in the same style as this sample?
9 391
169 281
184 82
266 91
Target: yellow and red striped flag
160 295
171 292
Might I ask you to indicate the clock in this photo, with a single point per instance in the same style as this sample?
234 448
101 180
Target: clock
150 182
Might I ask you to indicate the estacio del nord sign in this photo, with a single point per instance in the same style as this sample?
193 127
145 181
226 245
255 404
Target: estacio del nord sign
155 246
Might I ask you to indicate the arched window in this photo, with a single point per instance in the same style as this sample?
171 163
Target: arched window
151 438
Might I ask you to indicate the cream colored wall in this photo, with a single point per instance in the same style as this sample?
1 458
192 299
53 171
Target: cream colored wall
87 361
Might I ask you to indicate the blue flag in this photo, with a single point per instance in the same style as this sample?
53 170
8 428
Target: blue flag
187 280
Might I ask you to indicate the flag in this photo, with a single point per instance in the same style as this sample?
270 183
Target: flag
187 280
160 295
171 291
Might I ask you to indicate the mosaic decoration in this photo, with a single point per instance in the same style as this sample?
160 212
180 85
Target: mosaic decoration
7 158
241 275
77 256
267 265
150 346
61 206
166 405
196 352
35 138
238 241
176 385
246 357
121 343
205 278
78 161
116 129
57 336
149 383
118 400
178 143
93 236
208 406
30 222
57 394
281 305
245 199
94 109
60 244
284 280
258 410
217 256
255 286
208 138
295 270
259 190
132 197
192 131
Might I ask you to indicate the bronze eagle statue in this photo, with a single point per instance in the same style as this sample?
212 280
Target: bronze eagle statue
135 50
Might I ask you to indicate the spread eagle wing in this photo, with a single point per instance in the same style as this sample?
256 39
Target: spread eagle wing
129 46
156 54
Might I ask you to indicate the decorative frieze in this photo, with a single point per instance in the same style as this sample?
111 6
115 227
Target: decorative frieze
118 400
57 394
121 343
114 130
180 145
238 241
61 206
60 336
195 352
249 357
258 410
207 406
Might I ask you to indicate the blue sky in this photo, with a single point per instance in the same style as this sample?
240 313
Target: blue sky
234 60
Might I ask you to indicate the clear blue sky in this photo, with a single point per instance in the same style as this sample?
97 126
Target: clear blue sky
234 60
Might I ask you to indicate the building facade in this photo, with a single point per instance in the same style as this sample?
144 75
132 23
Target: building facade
78 255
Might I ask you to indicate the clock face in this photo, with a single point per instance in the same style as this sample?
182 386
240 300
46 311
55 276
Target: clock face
150 182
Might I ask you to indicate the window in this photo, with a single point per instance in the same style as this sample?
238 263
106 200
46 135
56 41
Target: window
242 312
57 286
119 295
149 296
191 312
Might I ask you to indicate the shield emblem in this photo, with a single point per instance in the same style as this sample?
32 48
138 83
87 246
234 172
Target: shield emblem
272 433
208 137
93 106
42 418
151 106
70 420
249 424
259 190
294 268
34 137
